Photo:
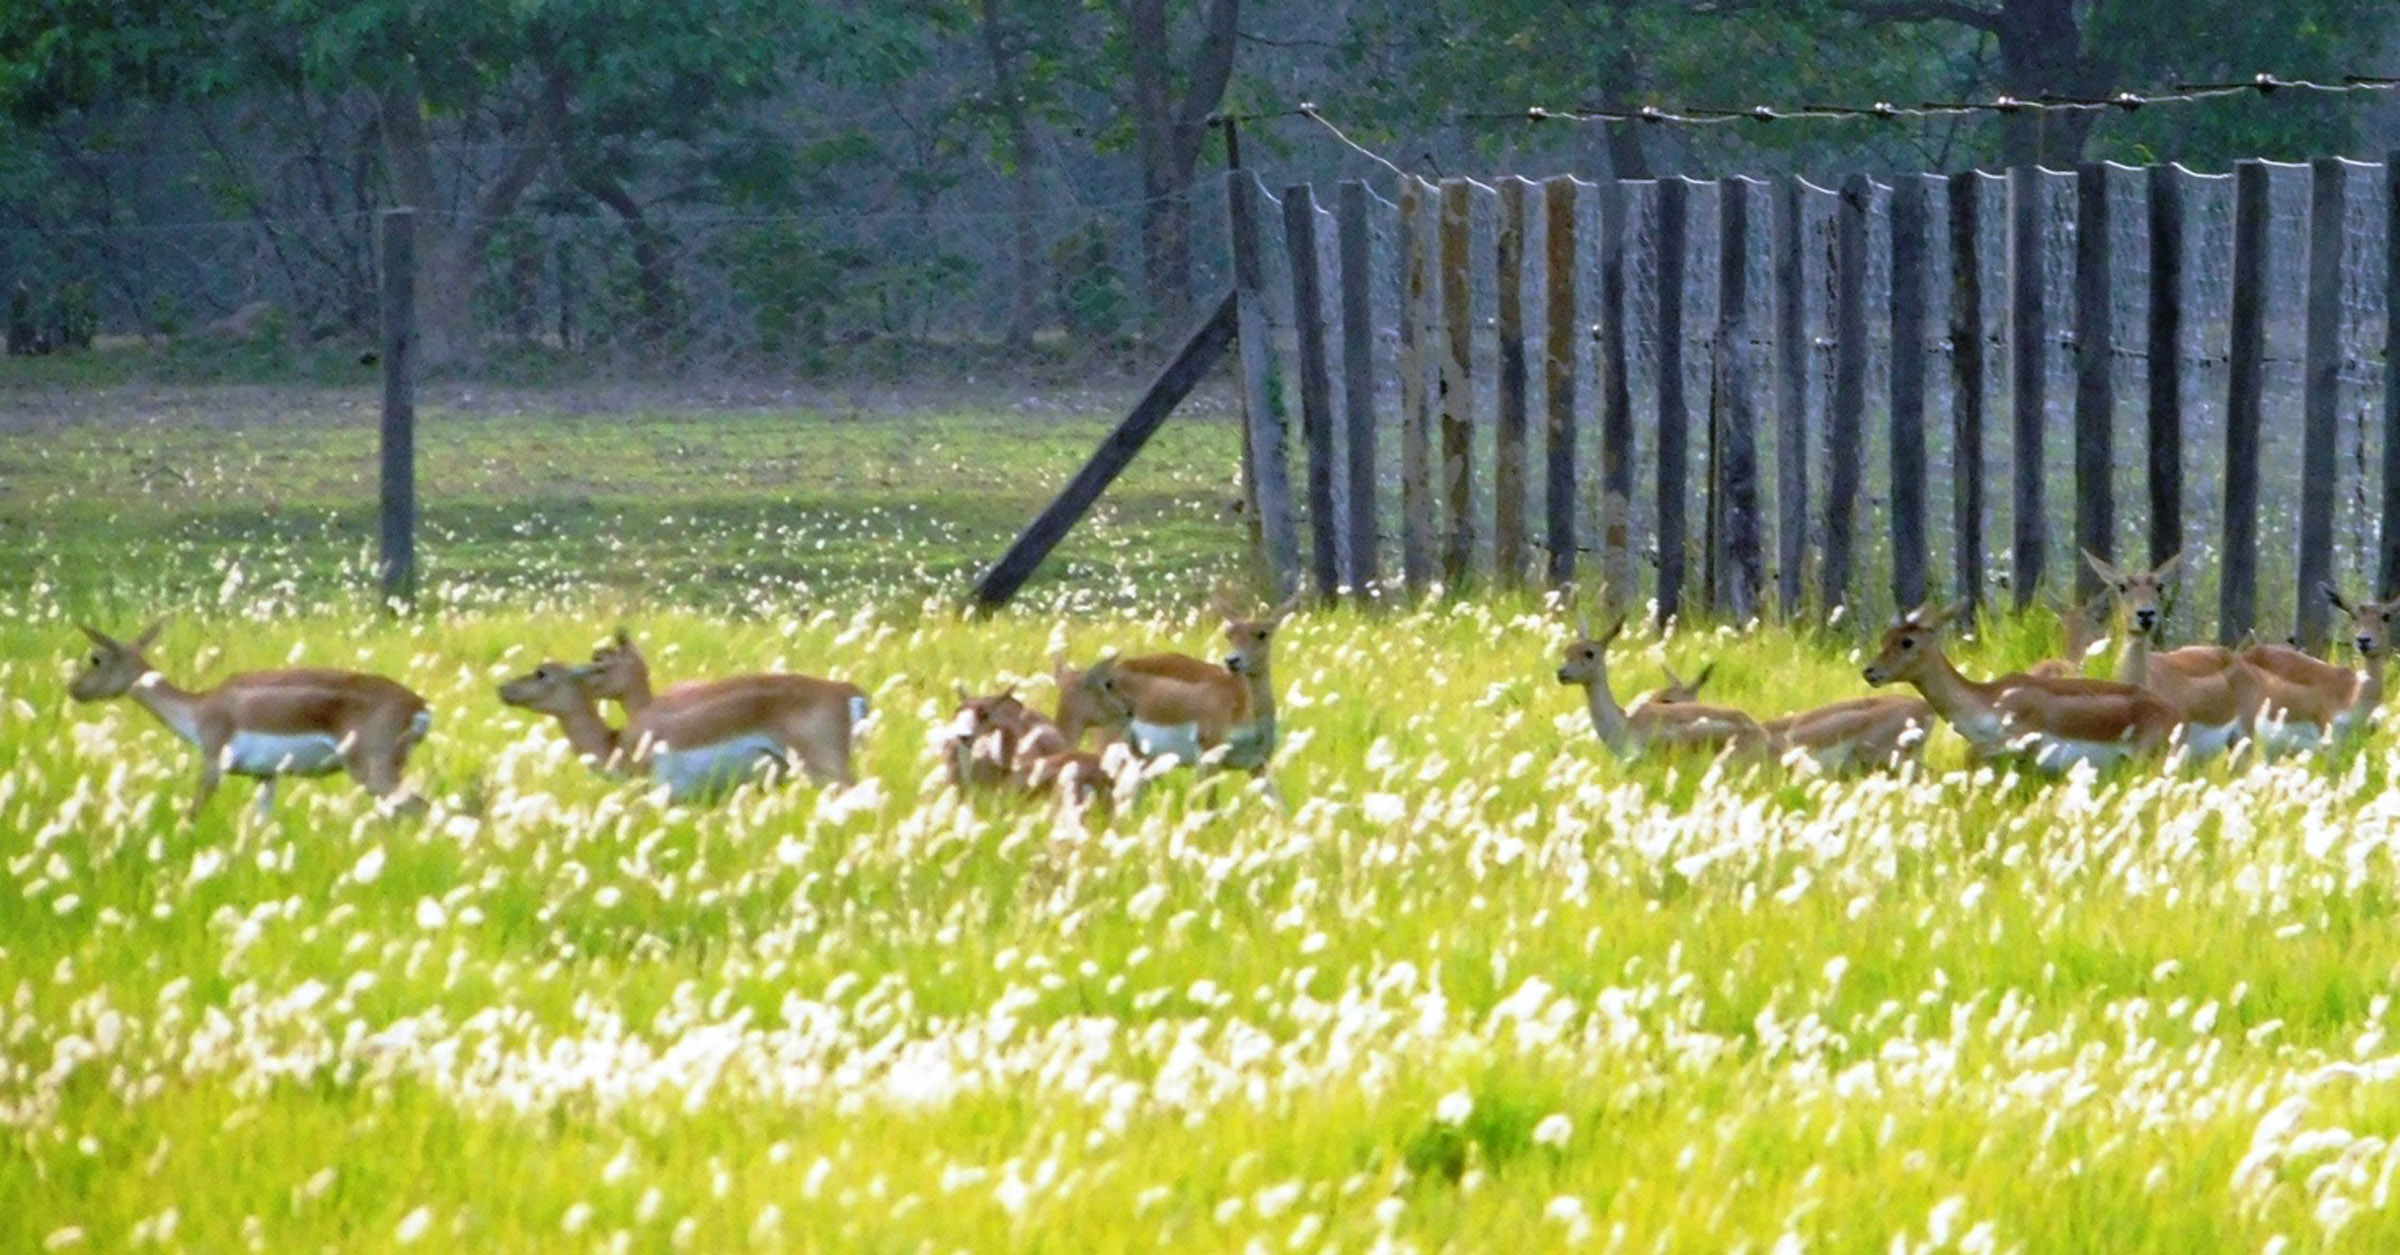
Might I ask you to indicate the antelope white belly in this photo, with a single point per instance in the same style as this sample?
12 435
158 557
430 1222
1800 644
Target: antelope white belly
2278 736
265 754
2060 754
710 768
2203 741
1180 739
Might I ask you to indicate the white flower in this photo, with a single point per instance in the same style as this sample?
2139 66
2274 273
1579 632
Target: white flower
1455 1107
1553 1131
413 1226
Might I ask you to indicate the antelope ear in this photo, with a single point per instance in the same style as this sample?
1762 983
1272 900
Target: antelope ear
2335 596
1951 612
1674 680
100 638
961 690
1223 604
624 638
2100 566
2167 568
1284 611
1702 678
1614 628
149 634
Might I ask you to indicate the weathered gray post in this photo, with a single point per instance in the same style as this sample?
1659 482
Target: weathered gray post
1316 385
1358 388
2027 385
2320 403
398 567
2095 378
2245 401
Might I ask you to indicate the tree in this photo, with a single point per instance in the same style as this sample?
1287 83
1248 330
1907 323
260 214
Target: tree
1170 124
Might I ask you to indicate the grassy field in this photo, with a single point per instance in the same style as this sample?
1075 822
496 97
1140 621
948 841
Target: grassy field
1464 983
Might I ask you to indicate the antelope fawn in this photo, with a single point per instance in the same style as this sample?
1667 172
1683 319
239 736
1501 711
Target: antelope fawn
1651 724
1186 707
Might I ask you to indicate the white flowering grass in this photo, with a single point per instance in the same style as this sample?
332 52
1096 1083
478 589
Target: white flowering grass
1465 982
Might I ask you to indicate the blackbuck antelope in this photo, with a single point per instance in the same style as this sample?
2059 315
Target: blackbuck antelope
1652 724
2054 722
1186 707
1859 734
702 739
2214 691
2307 704
291 721
999 740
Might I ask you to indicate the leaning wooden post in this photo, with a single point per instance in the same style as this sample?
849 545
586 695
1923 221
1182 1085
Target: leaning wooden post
1616 406
1508 433
1270 487
1674 417
1358 388
2387 566
2165 438
2320 398
1416 403
1791 397
1908 391
1966 384
1191 363
398 568
1457 388
1849 385
1316 386
1559 327
2095 378
1733 493
2245 400
2027 383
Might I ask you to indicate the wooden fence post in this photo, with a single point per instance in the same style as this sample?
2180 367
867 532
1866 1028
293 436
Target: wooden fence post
1674 418
2320 398
1616 407
2387 566
1733 490
1966 384
1316 386
1508 434
1908 391
2095 378
2165 437
1849 384
1270 486
2028 386
1558 372
1457 389
1416 406
398 567
1791 397
1365 571
2237 591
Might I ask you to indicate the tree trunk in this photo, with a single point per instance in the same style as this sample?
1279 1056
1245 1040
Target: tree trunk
1170 135
653 264
2041 54
449 251
1024 194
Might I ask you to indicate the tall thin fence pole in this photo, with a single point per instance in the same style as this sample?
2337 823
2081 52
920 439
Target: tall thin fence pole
1733 492
1791 399
1508 433
1849 385
2387 566
1457 388
2027 384
2095 377
2245 401
1674 418
1365 569
1416 403
1966 384
1558 373
1316 386
2165 437
398 567
1908 390
1269 437
1616 408
2320 398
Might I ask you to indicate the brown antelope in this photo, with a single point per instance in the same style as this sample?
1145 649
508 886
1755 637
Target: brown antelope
999 739
1859 734
701 739
290 721
2054 722
2216 693
2307 704
1652 724
1188 708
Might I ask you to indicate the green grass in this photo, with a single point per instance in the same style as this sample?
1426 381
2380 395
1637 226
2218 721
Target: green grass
1468 983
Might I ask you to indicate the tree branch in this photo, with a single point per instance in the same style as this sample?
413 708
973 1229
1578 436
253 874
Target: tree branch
1984 20
533 149
1212 68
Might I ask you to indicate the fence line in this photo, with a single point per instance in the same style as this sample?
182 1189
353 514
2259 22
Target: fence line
2199 361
